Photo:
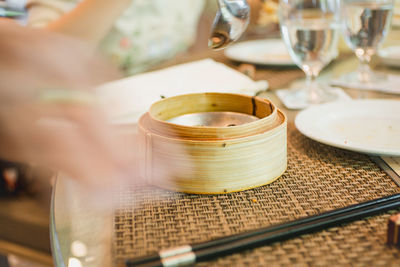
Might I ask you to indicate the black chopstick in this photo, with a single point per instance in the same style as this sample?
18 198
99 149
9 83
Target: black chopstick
235 243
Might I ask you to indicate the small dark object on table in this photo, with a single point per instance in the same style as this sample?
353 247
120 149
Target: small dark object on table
248 70
393 237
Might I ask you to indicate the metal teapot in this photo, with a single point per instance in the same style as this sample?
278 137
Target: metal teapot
231 21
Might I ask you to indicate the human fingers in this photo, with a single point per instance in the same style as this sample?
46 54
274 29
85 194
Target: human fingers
50 136
49 60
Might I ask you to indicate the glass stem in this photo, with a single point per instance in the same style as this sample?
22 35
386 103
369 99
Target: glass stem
364 71
311 86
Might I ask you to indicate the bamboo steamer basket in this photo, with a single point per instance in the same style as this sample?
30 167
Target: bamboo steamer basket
173 107
213 160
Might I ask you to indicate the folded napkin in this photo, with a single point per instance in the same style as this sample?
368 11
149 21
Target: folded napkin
394 163
390 85
128 98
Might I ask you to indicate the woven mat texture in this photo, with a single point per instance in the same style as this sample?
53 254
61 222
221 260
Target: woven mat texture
279 78
319 178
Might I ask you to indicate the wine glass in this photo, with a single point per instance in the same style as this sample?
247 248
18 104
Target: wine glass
366 23
310 30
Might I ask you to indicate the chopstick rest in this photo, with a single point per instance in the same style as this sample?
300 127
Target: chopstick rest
393 232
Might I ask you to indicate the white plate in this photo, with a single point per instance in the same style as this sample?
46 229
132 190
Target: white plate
367 126
396 22
262 52
396 15
390 56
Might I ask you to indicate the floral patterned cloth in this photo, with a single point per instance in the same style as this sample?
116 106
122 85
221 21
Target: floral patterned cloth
147 32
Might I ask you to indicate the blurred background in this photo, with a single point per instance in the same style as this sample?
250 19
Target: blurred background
25 190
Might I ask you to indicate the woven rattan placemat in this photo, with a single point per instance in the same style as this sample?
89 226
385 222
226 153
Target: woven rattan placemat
319 178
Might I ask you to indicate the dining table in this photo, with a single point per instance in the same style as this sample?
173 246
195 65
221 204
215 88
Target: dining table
318 178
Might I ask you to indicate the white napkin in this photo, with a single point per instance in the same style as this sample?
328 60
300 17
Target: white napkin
389 85
394 163
128 98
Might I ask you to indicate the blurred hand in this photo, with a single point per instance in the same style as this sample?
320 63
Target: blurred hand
66 131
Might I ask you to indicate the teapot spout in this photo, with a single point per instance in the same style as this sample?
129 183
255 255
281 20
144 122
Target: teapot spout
230 23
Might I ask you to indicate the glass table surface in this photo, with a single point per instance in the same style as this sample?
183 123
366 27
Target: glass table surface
82 230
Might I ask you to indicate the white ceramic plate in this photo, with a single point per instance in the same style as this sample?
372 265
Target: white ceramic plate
390 56
261 52
396 21
396 15
367 126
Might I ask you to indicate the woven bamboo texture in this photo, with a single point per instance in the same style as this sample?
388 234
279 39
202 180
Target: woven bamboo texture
319 178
